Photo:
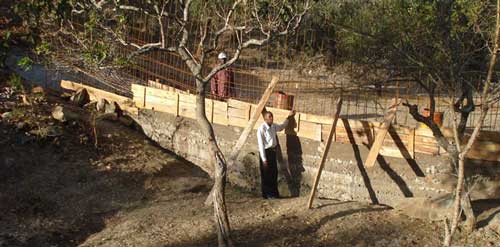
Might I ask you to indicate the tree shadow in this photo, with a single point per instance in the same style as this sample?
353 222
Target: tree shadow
261 234
490 207
336 203
68 187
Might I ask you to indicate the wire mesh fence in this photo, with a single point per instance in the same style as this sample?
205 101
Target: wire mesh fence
314 85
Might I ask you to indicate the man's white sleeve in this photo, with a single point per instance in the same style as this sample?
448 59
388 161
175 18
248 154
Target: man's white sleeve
280 127
260 141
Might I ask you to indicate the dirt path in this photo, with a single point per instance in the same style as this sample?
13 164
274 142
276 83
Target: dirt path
59 190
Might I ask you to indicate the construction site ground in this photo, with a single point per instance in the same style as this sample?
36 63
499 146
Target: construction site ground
58 189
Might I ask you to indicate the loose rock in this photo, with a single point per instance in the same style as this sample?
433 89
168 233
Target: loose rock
6 115
101 105
81 97
62 114
38 90
110 108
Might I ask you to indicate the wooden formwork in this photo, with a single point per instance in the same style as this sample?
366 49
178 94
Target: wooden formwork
400 141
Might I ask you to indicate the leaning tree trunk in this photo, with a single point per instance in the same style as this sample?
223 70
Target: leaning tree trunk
220 169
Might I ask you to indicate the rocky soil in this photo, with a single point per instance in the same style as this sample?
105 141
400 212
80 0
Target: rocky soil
58 188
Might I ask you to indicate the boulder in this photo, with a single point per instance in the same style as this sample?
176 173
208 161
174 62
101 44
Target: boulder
63 114
101 105
80 97
111 107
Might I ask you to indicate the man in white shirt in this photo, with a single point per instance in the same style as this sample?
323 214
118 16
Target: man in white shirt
268 142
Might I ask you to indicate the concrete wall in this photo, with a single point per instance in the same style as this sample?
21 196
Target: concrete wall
344 177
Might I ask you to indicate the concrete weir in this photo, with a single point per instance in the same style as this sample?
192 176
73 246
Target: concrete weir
391 181
344 176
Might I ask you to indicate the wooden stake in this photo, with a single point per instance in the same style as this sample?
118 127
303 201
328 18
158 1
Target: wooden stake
325 152
382 132
177 104
212 112
411 143
144 102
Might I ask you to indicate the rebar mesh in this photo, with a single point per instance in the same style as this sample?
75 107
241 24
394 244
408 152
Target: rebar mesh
314 92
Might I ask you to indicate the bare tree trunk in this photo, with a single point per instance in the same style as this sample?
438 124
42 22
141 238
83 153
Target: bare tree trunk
456 205
220 169
485 96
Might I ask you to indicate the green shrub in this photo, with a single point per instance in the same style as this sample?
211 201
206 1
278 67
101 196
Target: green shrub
15 81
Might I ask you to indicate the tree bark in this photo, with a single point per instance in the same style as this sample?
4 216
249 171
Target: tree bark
220 169
456 205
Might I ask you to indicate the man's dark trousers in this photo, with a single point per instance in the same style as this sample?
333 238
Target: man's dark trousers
269 175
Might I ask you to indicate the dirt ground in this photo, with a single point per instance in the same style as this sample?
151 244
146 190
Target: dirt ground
58 189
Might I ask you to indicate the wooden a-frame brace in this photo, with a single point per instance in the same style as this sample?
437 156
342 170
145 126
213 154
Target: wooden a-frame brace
325 152
381 133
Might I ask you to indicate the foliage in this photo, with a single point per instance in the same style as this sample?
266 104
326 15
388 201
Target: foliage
15 81
4 47
43 48
25 63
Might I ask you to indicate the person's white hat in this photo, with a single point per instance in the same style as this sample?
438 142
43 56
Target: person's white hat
222 55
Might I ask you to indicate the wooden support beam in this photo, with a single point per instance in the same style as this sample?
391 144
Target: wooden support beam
325 152
411 143
251 123
382 132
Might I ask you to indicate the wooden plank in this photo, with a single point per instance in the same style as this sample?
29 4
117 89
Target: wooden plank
161 108
187 98
221 119
237 113
220 107
316 118
379 139
237 104
126 104
139 95
390 151
325 152
250 124
160 93
237 122
309 130
159 100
